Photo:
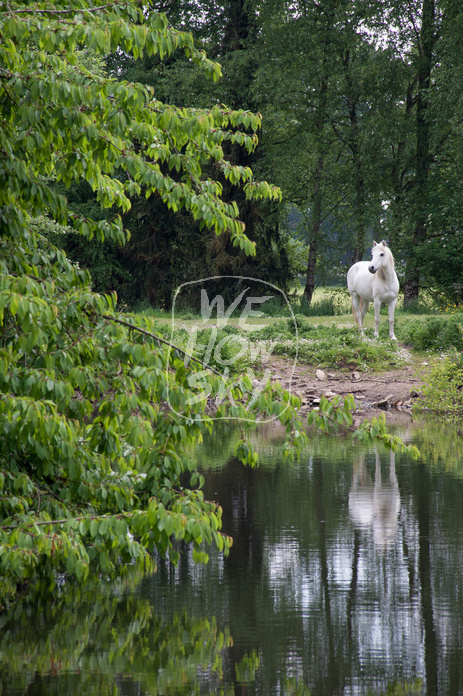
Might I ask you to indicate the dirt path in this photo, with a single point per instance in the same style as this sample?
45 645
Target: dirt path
392 391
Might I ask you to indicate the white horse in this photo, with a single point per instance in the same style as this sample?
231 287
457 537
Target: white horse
376 282
375 506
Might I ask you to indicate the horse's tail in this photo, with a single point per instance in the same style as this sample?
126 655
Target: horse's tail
355 313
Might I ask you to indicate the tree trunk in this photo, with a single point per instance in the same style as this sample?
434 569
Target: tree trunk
315 229
360 227
317 194
310 279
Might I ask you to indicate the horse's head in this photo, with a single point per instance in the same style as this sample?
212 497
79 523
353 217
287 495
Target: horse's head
380 255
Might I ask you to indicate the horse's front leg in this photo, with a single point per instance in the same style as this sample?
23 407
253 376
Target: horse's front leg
390 311
377 306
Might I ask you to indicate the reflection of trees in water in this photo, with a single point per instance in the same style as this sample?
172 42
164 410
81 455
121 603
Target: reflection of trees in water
317 592
346 571
343 569
360 603
237 490
105 639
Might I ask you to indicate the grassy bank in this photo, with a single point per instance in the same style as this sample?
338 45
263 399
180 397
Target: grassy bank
329 341
429 336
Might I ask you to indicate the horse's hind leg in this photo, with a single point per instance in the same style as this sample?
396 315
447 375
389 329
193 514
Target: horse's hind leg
364 304
358 305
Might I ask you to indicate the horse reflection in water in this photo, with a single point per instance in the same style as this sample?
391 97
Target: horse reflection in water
374 506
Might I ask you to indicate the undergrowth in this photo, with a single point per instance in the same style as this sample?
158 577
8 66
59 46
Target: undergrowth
433 333
329 346
442 392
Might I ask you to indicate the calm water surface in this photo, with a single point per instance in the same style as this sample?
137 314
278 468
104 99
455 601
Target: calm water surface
345 577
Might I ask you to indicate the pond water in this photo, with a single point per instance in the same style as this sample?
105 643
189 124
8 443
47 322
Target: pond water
345 577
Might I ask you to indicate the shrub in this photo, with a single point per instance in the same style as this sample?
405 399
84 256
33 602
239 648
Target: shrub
443 388
421 306
333 305
282 329
276 307
320 308
222 347
435 333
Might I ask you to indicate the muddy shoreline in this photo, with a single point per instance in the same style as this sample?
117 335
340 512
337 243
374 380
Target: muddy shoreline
392 391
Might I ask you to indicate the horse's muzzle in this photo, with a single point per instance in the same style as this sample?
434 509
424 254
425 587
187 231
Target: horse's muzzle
372 269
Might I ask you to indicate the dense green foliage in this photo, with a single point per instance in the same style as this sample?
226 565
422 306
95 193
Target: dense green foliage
168 246
443 389
361 104
434 333
92 457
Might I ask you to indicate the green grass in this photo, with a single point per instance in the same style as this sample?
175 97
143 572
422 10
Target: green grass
329 340
326 302
330 343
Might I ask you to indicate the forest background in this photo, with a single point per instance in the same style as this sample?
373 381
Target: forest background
362 107
118 147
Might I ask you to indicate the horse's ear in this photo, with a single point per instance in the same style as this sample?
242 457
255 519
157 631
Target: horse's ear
374 243
384 242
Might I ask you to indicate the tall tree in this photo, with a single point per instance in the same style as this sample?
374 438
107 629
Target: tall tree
326 22
426 40
364 72
295 88
322 88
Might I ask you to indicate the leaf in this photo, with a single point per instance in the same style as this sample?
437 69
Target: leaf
121 527
169 525
94 526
